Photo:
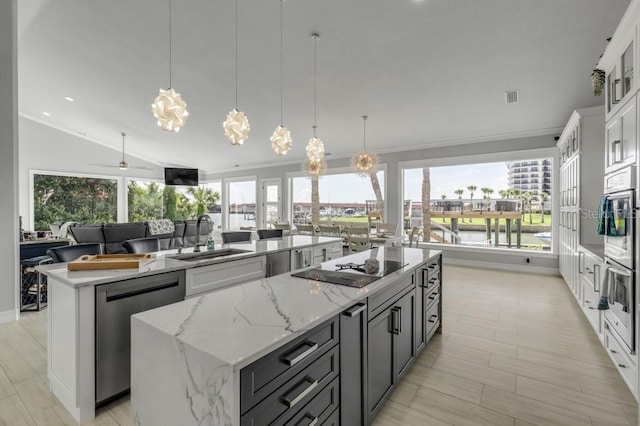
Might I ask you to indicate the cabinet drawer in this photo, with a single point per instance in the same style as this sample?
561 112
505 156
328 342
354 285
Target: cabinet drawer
432 318
621 359
386 298
432 296
283 403
321 409
266 375
590 306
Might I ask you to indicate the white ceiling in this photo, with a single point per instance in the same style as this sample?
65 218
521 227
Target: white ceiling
426 72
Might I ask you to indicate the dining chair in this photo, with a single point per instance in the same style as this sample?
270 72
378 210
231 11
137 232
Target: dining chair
142 245
264 234
389 229
358 238
235 236
69 253
329 230
305 229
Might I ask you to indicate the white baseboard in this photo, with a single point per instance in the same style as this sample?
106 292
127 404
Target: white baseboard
9 316
501 266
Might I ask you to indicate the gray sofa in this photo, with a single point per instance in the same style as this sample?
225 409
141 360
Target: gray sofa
110 236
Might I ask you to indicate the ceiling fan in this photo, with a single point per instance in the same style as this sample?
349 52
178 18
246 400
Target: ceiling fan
123 165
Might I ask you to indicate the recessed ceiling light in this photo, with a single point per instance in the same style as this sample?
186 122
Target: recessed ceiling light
236 165
70 99
45 113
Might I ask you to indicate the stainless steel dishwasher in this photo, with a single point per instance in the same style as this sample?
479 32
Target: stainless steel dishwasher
115 303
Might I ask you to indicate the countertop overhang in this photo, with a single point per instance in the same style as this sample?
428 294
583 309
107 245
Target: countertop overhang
163 263
239 324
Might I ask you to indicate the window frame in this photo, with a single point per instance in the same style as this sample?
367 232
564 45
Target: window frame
121 188
382 167
225 197
462 160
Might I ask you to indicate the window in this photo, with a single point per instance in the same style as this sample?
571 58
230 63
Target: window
146 201
241 204
62 198
466 200
343 197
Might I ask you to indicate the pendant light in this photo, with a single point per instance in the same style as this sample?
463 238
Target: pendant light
236 126
281 141
315 147
123 164
168 108
315 168
364 162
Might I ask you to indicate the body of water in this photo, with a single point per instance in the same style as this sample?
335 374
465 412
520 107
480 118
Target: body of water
481 236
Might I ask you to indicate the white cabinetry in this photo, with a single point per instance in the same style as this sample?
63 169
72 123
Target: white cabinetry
207 278
621 131
592 274
619 62
579 190
326 252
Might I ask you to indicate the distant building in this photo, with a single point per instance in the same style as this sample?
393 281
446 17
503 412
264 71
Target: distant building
530 175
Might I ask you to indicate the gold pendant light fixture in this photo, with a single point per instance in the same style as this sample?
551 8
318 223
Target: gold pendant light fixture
236 126
315 147
315 168
281 141
123 164
364 162
168 107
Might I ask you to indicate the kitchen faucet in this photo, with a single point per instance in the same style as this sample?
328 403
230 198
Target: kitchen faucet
200 218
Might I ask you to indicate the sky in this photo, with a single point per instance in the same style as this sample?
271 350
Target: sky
446 179
338 188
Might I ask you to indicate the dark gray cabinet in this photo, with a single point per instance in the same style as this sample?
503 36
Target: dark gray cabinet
353 365
391 349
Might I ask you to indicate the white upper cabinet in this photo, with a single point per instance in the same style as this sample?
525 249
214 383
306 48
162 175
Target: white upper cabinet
620 135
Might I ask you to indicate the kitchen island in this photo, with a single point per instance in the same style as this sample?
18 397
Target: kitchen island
282 349
78 336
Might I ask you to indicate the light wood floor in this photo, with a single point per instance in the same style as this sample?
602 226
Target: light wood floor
516 350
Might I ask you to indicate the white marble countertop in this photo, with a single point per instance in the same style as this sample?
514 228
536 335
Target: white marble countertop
238 325
163 263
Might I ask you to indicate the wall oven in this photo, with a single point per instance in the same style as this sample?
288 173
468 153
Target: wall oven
622 293
620 254
619 242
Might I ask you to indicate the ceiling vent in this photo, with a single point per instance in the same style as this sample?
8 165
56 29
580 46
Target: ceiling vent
512 96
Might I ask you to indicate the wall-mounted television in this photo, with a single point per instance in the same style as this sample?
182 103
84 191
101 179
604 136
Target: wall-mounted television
179 176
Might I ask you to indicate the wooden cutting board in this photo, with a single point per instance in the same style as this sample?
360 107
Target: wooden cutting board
110 261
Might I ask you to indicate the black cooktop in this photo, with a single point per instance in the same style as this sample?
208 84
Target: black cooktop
351 274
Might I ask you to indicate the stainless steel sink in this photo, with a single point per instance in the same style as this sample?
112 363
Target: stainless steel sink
193 257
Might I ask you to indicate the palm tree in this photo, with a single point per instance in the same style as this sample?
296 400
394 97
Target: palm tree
543 199
315 200
459 193
444 197
486 194
376 189
203 198
504 193
426 204
471 189
527 199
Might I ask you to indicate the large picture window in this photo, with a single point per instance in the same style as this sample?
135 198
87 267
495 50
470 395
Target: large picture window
242 204
504 204
59 198
343 197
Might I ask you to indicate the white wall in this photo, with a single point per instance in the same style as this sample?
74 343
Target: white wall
8 162
44 148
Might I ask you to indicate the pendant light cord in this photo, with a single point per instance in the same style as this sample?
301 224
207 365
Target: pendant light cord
281 58
364 131
170 43
236 54
315 83
123 135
